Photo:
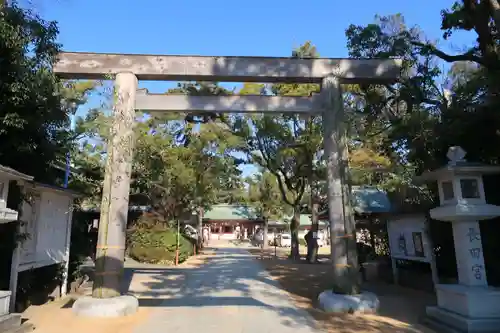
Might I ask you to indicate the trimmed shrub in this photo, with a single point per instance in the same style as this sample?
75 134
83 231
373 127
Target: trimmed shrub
157 245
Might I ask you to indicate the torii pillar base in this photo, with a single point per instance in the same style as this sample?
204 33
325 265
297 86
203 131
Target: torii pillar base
120 306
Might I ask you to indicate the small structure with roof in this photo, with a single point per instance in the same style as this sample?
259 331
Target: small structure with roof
231 221
369 203
46 221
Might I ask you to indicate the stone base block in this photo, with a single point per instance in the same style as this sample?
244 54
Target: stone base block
120 306
470 302
4 302
459 323
365 302
10 322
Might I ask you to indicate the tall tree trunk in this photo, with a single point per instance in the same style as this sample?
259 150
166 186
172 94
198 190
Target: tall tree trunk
294 230
313 248
266 230
312 242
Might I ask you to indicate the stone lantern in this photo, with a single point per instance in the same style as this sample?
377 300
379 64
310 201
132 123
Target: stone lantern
471 305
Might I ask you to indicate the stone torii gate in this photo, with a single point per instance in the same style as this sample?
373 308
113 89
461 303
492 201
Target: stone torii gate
127 69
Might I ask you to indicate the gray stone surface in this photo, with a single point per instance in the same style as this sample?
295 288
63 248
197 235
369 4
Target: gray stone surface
83 65
226 104
365 302
4 302
229 293
453 322
88 306
10 322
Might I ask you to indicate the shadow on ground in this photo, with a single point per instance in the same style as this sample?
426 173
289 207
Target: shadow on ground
228 278
400 309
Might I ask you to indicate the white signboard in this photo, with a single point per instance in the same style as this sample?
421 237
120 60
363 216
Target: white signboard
407 239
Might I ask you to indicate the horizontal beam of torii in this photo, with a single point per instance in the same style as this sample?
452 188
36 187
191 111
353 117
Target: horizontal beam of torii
76 65
145 101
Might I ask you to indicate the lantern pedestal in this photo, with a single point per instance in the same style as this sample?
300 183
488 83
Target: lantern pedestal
469 306
468 309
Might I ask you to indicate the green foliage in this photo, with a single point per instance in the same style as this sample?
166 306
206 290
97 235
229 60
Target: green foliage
413 122
156 244
285 145
181 162
35 106
264 195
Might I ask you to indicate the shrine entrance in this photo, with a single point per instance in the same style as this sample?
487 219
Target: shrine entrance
127 69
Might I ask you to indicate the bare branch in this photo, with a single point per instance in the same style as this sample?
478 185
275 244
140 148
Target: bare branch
467 56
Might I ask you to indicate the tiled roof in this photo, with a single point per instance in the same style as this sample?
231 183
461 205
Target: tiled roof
230 212
243 213
368 199
14 174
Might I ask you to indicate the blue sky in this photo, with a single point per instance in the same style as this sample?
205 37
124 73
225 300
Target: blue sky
252 28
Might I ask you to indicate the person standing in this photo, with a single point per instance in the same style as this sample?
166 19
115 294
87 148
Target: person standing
205 235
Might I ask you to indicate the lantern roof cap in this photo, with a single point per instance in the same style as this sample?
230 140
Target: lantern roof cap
457 164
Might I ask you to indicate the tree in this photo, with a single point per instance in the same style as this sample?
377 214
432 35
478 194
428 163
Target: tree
482 17
415 121
396 120
34 120
265 197
283 144
215 169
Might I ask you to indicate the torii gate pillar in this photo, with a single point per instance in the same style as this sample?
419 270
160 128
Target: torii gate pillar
115 193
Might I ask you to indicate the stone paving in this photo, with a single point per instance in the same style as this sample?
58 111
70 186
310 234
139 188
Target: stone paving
230 292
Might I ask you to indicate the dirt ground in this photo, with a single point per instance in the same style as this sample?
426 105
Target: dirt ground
400 308
57 317
399 313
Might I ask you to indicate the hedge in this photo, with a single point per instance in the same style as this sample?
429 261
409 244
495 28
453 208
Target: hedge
157 245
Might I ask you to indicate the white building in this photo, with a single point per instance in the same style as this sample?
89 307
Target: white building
45 217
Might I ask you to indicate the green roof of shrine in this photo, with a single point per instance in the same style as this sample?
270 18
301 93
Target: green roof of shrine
224 212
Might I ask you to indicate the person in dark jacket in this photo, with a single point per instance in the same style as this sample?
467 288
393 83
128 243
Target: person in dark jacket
310 243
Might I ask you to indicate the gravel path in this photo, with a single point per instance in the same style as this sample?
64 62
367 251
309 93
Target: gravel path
230 292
